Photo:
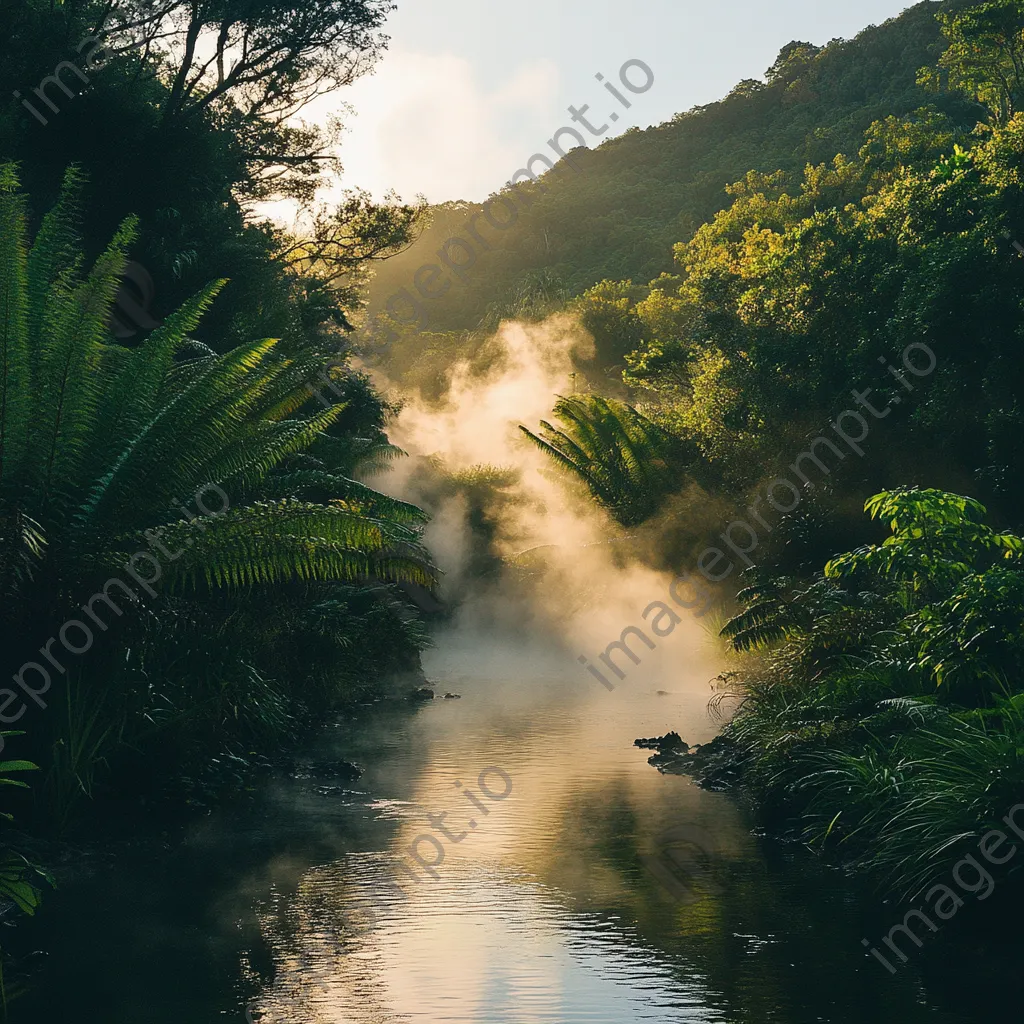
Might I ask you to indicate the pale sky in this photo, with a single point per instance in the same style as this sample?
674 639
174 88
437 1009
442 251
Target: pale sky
469 89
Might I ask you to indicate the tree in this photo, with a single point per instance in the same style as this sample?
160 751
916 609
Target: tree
192 178
102 449
791 62
343 240
608 312
257 64
985 57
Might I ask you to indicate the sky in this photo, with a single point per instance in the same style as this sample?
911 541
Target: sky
469 89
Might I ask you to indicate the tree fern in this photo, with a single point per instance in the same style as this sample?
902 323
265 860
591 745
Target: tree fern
122 439
14 358
68 387
628 462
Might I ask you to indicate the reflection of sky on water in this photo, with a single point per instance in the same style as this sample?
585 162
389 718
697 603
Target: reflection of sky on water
529 917
481 946
586 896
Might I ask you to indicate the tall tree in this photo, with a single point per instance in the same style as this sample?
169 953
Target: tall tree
985 57
256 65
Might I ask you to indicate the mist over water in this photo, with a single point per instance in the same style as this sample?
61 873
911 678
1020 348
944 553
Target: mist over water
572 579
590 889
323 773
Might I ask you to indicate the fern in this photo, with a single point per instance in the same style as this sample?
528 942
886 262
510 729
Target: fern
120 439
629 463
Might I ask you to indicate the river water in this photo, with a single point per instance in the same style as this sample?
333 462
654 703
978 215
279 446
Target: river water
596 891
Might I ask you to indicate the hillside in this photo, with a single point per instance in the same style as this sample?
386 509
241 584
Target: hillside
637 195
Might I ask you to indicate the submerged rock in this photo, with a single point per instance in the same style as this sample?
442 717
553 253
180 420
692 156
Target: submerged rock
453 696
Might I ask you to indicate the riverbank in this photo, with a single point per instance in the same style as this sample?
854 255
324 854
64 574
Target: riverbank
151 830
127 804
878 719
917 924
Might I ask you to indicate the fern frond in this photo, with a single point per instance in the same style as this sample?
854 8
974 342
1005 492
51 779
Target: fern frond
14 353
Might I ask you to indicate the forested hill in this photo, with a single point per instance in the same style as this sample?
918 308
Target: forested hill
637 195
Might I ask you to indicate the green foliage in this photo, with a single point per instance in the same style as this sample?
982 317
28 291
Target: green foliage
937 540
19 877
985 57
608 311
637 195
116 447
802 290
818 624
888 720
628 462
118 438
189 142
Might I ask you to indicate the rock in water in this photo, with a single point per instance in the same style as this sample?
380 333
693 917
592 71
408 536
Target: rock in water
670 741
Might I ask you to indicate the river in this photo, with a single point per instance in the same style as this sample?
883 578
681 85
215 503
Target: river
592 889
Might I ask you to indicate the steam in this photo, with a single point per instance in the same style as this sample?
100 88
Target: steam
568 582
572 578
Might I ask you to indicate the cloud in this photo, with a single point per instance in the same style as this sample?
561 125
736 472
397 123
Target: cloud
426 123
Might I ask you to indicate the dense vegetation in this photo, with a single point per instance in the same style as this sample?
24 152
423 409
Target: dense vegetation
615 212
192 569
886 715
881 715
192 566
814 286
187 141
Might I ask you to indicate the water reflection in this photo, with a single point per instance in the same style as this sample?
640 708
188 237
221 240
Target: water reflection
598 891
518 923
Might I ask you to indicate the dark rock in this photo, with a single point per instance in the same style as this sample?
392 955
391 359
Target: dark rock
670 741
453 696
348 770
716 766
423 693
